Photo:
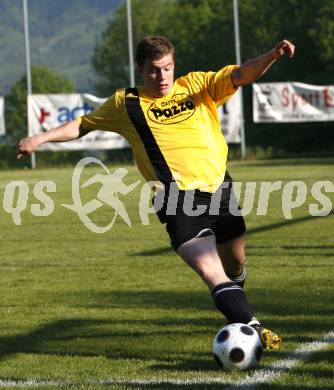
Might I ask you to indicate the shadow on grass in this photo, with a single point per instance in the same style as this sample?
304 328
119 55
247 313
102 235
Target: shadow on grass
275 302
144 299
285 223
169 342
154 251
113 337
86 337
94 338
255 230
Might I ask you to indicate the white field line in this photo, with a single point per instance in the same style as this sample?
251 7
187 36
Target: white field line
249 382
277 369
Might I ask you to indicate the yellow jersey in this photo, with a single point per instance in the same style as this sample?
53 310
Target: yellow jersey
176 137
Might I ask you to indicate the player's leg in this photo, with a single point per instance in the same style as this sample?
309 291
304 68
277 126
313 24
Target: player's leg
201 254
233 257
229 228
194 240
232 254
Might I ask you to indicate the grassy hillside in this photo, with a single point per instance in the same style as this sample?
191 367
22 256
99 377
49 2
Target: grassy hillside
63 34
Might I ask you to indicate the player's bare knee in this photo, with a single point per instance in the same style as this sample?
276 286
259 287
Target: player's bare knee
211 275
205 272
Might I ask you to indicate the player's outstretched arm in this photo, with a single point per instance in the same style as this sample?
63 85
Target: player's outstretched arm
65 132
255 68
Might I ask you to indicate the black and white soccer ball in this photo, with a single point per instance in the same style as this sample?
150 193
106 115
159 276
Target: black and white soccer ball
237 346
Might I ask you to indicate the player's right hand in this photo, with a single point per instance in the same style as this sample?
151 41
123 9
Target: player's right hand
26 146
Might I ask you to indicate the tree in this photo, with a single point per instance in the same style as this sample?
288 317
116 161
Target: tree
44 80
110 58
195 27
203 34
322 31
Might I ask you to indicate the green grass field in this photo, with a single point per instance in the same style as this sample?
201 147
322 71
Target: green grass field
86 310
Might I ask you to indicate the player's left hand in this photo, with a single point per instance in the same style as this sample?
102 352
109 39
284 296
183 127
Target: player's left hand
284 47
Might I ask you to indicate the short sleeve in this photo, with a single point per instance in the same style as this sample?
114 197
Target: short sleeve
219 84
107 117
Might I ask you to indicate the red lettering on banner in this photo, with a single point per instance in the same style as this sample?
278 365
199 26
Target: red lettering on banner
296 99
285 96
43 115
328 96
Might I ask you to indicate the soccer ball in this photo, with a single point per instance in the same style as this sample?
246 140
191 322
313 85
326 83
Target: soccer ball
237 346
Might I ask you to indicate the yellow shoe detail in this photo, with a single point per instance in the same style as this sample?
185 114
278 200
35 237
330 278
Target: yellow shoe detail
270 339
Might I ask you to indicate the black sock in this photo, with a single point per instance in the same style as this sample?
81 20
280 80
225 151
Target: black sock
239 279
230 299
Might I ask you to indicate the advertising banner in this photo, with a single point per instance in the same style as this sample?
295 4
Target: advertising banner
292 102
48 111
230 118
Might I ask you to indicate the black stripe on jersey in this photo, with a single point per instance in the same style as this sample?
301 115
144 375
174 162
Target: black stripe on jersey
137 117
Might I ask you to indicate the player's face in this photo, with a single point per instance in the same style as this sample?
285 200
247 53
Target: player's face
158 75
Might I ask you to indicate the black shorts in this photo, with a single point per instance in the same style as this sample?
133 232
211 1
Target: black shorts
224 220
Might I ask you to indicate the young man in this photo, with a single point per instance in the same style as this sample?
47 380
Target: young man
174 131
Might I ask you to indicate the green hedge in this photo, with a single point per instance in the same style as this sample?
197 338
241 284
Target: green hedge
63 158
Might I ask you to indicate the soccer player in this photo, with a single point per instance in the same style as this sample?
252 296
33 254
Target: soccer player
174 131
